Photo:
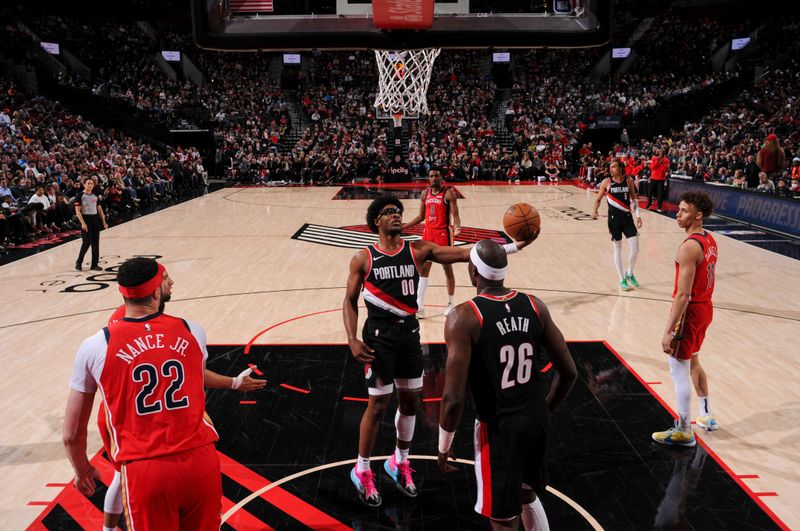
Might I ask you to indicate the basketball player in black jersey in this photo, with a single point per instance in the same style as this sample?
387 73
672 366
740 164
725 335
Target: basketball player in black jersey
387 274
620 193
493 343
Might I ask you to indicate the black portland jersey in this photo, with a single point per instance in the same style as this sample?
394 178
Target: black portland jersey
619 198
390 285
503 376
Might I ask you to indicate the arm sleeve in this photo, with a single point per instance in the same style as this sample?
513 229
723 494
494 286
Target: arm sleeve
89 364
200 335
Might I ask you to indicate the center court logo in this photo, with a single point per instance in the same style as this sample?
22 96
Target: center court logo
359 236
75 282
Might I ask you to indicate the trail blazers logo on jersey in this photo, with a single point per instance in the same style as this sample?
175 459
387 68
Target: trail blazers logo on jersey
359 236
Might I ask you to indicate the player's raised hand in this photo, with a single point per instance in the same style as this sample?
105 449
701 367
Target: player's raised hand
361 351
85 483
522 245
444 466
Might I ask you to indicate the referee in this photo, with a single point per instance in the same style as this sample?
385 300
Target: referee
93 220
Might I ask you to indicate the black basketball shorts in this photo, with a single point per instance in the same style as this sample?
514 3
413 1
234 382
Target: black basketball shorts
620 224
398 354
509 453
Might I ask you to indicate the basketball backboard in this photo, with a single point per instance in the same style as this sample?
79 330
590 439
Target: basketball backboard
348 25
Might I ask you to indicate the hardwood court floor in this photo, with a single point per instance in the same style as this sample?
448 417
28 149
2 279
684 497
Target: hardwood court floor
238 272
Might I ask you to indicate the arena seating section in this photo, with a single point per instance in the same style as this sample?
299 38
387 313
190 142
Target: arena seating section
315 124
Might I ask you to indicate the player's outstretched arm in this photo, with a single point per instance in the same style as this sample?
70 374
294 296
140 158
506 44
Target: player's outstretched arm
243 382
355 280
563 364
425 250
600 194
76 420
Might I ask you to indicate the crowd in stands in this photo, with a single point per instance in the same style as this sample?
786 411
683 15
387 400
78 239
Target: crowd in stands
552 102
752 142
46 153
553 99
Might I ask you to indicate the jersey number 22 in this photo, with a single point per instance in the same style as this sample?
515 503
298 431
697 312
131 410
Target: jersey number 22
149 374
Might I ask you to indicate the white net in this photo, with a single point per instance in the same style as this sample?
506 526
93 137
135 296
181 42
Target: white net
403 79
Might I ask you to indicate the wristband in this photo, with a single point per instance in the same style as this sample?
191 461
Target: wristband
511 248
445 440
236 382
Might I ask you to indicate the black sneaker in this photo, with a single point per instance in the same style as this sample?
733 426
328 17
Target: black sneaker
78 266
96 268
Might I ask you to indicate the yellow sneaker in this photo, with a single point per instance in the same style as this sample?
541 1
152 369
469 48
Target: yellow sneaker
708 423
675 437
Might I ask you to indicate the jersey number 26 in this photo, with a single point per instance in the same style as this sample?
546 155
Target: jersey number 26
524 361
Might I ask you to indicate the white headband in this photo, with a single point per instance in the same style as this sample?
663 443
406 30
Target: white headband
487 272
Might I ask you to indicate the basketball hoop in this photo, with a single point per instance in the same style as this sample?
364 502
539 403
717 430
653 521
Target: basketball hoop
403 79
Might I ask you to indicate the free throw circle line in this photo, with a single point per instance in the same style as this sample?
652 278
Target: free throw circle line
230 512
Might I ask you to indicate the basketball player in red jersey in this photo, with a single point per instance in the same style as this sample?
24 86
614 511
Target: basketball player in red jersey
387 274
689 317
493 342
149 368
438 204
112 504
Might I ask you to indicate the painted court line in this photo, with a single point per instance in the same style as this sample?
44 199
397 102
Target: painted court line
263 490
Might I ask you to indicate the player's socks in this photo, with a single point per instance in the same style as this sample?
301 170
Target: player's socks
534 517
703 406
362 465
400 455
109 528
633 253
449 305
617 246
421 288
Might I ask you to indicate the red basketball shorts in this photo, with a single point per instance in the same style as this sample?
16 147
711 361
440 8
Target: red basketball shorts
693 329
104 435
179 491
438 236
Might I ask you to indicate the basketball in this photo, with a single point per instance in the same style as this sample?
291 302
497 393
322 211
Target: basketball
521 222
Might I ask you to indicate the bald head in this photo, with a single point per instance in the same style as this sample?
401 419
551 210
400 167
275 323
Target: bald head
492 254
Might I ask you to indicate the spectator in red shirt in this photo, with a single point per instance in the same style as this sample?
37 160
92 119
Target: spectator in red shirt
771 158
659 168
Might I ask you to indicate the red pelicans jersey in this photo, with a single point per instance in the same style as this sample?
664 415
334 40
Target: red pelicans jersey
391 282
703 285
118 314
437 210
150 374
